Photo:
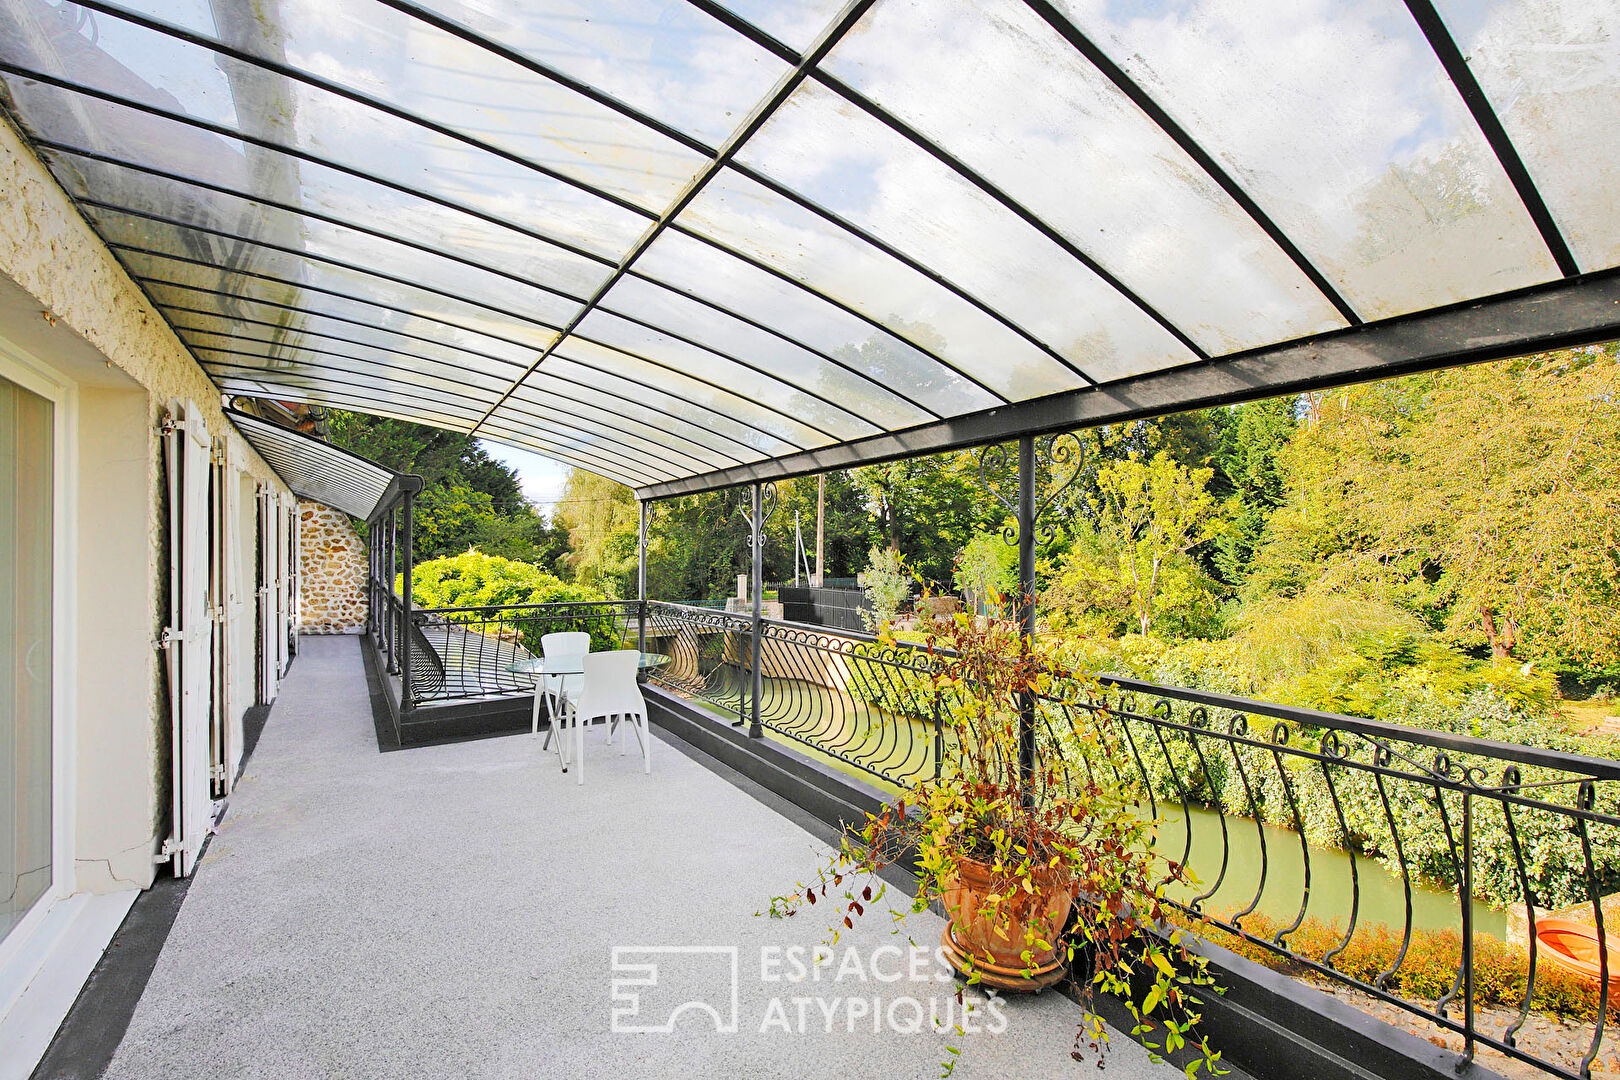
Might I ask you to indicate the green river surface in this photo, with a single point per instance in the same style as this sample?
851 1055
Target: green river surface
1382 896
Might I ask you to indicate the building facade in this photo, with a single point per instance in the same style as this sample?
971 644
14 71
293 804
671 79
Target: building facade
123 683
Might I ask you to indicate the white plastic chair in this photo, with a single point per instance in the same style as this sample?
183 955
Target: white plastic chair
558 691
610 691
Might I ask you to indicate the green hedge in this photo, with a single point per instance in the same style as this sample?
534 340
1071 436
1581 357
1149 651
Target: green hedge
478 581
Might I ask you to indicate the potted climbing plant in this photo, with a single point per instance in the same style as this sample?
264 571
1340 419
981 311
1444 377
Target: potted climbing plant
1044 869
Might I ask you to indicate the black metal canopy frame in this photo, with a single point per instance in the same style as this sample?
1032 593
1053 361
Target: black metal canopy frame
687 245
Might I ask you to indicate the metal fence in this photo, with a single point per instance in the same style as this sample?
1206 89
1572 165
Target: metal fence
471 652
1342 849
838 609
1433 810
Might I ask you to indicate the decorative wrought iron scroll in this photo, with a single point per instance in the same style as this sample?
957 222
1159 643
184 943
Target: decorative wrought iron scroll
1061 454
767 502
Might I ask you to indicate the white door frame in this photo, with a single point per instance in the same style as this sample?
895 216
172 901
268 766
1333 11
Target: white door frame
31 374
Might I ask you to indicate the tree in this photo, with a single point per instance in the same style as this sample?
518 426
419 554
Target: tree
986 567
887 587
468 499
1250 457
602 522
927 508
432 453
1497 483
1148 511
496 479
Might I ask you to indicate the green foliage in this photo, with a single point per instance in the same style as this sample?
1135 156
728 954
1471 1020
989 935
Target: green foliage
986 568
1088 594
927 508
469 500
485 582
887 585
476 580
1251 458
1149 511
601 518
431 453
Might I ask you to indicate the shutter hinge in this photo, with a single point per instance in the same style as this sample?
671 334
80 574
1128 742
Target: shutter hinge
216 771
169 850
168 637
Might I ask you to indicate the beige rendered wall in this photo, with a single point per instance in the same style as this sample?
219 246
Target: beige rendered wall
65 299
114 845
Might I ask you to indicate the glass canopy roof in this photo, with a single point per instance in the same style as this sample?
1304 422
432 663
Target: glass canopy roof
685 244
317 470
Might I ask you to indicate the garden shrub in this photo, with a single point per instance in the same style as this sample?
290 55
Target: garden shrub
1429 969
486 582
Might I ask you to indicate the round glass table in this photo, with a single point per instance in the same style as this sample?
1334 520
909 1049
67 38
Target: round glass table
574 664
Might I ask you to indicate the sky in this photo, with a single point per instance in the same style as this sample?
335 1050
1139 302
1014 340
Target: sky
542 478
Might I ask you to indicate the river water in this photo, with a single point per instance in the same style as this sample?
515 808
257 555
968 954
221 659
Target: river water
841 720
1382 898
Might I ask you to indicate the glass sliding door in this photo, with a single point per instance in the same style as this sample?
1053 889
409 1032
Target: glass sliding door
27 474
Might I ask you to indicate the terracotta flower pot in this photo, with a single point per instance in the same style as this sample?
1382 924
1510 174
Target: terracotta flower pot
992 942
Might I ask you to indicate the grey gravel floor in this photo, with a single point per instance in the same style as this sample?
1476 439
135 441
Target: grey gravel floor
453 911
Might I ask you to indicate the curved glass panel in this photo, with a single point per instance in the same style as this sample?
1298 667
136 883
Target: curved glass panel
722 429
842 159
1340 122
793 22
339 354
1552 74
749 218
387 55
714 398
614 438
251 317
833 420
225 287
332 244
606 460
651 429
232 371
251 259
161 71
1074 150
335 366
664 57
703 270
256 173
641 299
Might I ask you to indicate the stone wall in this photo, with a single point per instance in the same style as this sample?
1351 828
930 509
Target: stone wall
332 572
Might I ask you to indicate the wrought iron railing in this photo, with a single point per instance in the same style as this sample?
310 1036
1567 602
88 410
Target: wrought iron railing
1429 810
473 650
1344 850
708 655
1341 849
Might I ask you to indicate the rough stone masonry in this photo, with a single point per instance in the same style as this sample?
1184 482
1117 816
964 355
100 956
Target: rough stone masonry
332 571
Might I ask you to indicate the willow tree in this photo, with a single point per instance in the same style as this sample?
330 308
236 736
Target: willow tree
1499 484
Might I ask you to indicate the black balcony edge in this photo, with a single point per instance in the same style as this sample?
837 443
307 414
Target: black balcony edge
1267 1025
836 800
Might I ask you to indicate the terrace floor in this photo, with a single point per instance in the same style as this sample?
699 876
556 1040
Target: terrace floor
453 911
